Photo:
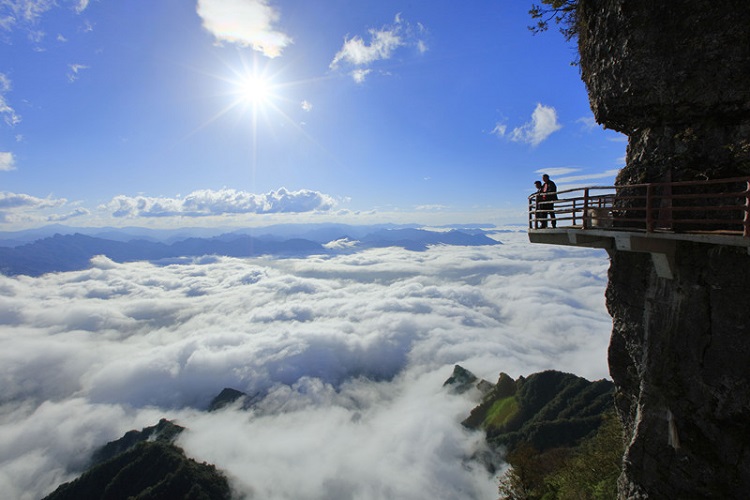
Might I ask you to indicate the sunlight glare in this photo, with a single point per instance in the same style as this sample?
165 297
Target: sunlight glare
254 89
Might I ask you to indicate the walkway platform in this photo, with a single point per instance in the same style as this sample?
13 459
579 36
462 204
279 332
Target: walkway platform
650 218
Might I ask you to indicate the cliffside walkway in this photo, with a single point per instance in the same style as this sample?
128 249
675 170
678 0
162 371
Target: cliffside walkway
646 217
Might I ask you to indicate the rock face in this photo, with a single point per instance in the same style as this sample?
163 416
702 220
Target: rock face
674 77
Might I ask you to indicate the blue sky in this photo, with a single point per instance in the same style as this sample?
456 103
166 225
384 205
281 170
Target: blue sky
249 112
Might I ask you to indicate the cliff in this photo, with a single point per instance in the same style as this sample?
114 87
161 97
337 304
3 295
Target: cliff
674 77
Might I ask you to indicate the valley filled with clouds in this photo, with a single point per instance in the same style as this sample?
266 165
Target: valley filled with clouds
346 355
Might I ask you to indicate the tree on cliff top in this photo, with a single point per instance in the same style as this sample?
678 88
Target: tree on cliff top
561 12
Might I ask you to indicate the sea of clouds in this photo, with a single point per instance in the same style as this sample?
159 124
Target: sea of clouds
350 351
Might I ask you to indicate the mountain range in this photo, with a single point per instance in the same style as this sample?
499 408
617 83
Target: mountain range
69 252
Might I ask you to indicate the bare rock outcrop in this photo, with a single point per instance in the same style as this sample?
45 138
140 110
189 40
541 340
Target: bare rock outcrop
674 77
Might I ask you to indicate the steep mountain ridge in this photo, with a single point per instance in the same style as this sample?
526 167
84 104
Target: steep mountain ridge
546 410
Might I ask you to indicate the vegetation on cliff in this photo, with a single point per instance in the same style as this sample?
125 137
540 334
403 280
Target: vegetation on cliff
145 465
558 432
589 471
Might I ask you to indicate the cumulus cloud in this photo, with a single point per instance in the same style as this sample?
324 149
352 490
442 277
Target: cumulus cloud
222 202
543 124
381 46
248 23
8 113
16 206
347 353
7 161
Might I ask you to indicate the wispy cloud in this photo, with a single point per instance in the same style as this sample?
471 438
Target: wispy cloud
78 212
81 6
381 46
585 177
543 124
349 351
556 171
248 23
588 123
26 14
221 202
499 130
561 175
24 11
10 116
74 70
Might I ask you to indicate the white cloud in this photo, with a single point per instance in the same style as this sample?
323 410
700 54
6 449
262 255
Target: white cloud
554 171
24 11
543 123
351 352
499 130
81 6
306 106
585 177
248 23
359 75
208 202
9 114
16 207
431 207
78 212
359 53
74 70
26 14
7 161
588 122
381 46
19 200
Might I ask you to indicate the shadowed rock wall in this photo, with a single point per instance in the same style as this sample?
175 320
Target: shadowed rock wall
675 77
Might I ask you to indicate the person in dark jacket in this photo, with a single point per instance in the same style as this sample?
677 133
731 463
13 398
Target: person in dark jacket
549 190
540 217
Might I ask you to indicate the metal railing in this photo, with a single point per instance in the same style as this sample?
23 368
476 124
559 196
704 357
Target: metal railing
720 205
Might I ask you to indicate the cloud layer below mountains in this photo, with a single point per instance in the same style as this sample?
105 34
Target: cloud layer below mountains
351 352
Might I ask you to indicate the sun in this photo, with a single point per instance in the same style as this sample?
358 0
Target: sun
253 89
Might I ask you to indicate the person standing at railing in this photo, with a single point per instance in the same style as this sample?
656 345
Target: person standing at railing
538 205
549 190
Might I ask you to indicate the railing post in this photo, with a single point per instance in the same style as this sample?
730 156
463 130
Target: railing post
746 219
574 212
585 223
649 216
531 214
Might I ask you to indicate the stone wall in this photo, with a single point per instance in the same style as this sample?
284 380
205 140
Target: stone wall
675 77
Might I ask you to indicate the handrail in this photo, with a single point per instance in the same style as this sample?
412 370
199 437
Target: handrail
715 205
